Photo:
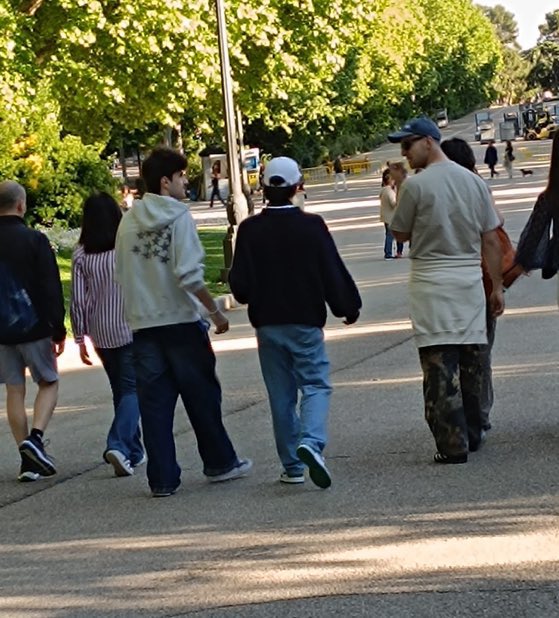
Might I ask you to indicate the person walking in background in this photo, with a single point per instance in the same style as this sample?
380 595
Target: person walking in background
287 292
160 267
398 174
32 332
491 158
339 174
508 158
216 175
387 207
447 302
459 151
261 169
97 311
127 198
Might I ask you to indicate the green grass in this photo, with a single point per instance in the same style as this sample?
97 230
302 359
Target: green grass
64 259
212 241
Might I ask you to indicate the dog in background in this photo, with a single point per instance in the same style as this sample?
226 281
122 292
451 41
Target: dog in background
526 172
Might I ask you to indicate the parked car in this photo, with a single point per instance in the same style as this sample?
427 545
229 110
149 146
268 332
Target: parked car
441 118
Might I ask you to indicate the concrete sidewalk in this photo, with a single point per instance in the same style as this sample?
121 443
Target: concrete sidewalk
395 536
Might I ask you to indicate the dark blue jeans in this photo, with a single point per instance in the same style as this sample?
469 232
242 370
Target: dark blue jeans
178 360
124 434
389 243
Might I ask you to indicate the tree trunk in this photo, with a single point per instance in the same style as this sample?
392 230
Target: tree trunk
122 157
180 144
168 137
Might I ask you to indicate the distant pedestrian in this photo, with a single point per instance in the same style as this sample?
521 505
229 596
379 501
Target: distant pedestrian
97 311
491 158
32 332
127 198
447 301
261 169
339 174
287 269
387 207
509 158
216 175
300 196
398 174
160 268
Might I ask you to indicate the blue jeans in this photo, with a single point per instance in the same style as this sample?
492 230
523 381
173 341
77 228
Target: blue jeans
124 434
292 358
178 360
389 243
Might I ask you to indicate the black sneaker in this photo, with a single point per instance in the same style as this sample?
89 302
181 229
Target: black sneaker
29 471
33 451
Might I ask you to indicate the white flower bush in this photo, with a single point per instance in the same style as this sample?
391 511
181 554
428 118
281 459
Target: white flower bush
60 238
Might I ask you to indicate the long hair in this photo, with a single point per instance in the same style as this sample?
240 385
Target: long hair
100 220
552 189
385 178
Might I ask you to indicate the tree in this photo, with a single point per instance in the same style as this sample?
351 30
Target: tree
544 57
510 82
504 23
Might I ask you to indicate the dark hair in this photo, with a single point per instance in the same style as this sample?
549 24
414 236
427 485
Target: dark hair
385 177
459 151
552 188
161 163
100 220
279 196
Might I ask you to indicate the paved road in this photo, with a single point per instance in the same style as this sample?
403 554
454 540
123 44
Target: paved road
394 536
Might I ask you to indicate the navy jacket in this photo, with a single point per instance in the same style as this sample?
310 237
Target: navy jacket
28 255
286 268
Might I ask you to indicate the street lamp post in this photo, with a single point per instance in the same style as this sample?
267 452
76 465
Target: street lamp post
237 208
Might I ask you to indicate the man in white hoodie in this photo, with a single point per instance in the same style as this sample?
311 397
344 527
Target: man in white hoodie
160 267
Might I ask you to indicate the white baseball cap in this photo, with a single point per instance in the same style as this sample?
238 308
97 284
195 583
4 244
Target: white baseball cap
282 172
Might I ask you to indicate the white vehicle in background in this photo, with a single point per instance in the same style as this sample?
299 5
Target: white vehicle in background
441 118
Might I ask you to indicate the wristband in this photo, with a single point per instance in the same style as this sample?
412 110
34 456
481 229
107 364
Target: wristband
214 312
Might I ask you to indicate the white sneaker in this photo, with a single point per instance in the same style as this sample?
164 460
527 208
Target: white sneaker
118 461
317 468
292 480
243 467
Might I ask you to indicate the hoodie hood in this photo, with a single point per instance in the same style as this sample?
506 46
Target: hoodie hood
155 212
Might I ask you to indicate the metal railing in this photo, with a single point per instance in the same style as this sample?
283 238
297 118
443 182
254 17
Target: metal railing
324 172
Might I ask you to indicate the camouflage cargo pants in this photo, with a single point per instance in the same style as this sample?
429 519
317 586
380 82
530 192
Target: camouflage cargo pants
452 389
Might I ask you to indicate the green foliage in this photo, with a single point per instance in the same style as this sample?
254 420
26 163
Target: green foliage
309 75
544 74
72 172
511 81
504 23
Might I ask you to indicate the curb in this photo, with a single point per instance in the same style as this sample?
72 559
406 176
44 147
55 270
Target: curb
226 302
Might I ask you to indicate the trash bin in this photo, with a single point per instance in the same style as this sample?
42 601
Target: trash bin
507 131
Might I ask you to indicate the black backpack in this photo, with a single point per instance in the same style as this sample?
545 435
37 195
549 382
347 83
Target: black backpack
17 314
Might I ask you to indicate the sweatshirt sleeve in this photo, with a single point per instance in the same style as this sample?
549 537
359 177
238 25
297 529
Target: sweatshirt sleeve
530 252
187 254
78 309
342 295
51 289
239 275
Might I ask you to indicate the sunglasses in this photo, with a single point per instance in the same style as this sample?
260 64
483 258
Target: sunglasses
408 142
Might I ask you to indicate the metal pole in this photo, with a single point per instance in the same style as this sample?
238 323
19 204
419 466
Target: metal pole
237 209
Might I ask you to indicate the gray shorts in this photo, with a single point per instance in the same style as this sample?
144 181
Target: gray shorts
37 356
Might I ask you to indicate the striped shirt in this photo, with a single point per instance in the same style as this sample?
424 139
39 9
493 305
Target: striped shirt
97 307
